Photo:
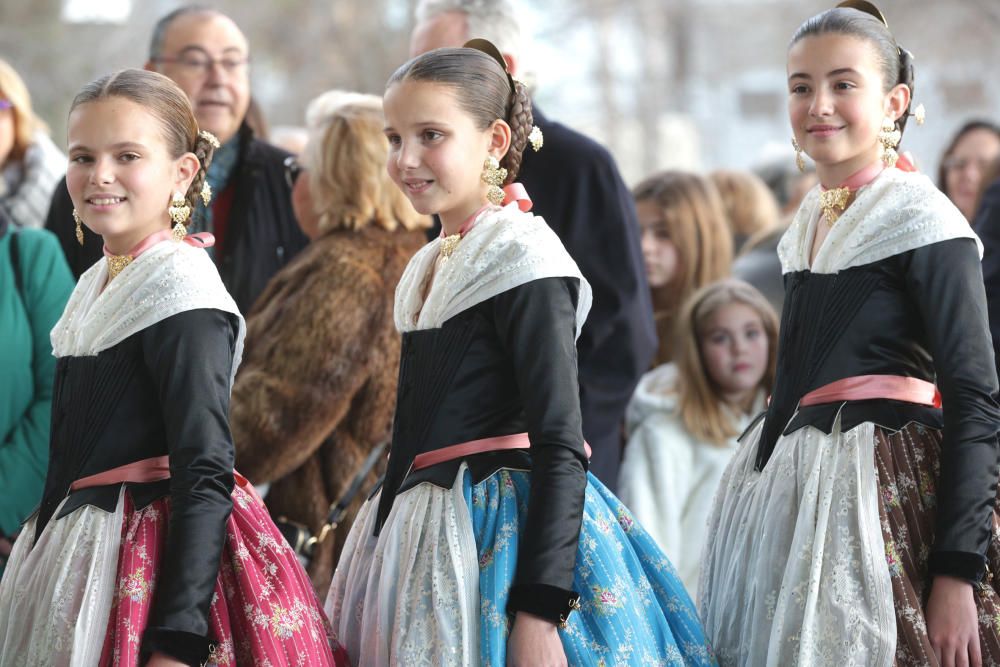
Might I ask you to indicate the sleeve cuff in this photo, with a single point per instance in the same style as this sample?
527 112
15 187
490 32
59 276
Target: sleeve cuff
184 646
958 564
549 602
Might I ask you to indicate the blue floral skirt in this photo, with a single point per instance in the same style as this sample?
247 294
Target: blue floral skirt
438 576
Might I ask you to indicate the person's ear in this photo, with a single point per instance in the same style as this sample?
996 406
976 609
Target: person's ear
512 64
500 137
896 101
185 169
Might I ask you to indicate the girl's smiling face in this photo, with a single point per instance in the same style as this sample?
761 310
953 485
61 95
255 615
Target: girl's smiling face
837 100
121 175
436 152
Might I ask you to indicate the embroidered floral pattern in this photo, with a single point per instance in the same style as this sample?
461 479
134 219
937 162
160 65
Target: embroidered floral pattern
260 586
908 530
134 586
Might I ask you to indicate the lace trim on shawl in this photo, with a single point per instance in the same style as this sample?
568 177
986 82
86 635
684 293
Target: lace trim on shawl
506 248
168 279
897 212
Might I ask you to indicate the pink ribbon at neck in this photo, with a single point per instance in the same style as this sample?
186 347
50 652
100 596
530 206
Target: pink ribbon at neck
199 240
515 192
860 178
467 225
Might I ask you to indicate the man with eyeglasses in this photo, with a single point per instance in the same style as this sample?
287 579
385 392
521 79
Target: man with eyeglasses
207 55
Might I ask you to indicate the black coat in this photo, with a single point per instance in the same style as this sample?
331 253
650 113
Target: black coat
987 226
261 235
575 185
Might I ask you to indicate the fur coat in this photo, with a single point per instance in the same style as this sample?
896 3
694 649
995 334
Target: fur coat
317 388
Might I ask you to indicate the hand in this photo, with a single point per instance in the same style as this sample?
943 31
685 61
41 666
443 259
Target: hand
953 623
534 642
163 660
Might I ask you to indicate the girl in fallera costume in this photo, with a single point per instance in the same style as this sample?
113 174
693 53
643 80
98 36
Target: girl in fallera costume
147 547
685 416
488 532
855 526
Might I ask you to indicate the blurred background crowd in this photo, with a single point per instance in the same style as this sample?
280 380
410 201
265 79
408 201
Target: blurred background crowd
667 172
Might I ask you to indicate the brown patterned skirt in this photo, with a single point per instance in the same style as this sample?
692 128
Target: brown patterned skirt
907 464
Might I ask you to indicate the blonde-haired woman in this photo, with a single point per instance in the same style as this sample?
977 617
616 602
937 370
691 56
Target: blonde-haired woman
686 244
316 391
751 209
685 416
30 164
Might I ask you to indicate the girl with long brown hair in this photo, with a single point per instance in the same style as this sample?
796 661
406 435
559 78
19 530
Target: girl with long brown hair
684 418
686 244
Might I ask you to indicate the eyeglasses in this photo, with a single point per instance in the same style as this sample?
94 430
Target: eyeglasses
292 170
197 62
961 164
6 104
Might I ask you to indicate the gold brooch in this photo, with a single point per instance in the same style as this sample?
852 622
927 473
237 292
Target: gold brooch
833 202
117 264
449 243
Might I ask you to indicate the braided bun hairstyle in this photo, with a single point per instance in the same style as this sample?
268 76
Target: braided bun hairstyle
483 90
204 149
895 62
521 121
168 104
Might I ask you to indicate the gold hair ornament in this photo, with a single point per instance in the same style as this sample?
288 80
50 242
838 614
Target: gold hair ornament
210 138
536 138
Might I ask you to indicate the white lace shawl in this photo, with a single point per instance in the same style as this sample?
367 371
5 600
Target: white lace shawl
506 248
167 279
897 212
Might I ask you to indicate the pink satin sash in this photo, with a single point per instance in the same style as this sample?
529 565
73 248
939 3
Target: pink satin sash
495 444
154 469
867 387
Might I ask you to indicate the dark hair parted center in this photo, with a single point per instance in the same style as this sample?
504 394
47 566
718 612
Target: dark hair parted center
895 62
482 90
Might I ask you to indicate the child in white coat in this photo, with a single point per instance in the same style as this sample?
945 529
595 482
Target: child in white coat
685 416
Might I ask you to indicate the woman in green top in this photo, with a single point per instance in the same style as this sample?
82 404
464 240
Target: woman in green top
35 283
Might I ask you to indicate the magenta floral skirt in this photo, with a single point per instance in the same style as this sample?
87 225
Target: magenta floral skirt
264 610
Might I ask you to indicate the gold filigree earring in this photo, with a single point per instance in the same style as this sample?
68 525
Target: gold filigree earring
888 139
494 176
79 227
799 160
179 211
